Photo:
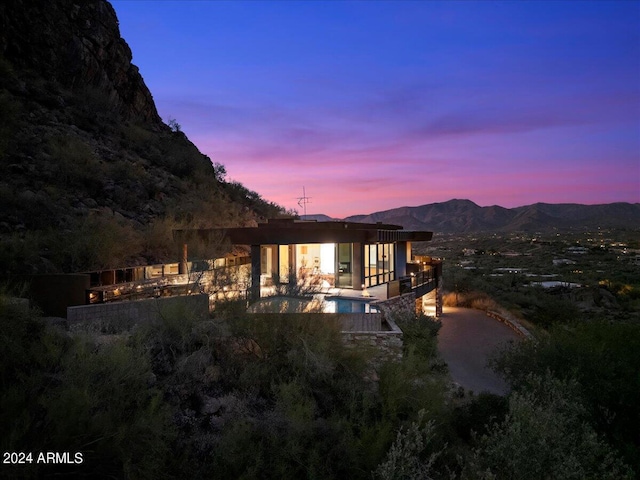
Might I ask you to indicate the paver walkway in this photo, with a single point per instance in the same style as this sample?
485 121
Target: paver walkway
465 341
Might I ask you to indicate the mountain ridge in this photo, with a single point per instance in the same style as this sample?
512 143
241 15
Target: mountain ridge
465 216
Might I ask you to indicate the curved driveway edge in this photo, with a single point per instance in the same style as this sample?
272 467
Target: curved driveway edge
465 341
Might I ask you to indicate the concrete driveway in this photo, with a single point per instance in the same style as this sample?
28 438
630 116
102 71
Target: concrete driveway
465 341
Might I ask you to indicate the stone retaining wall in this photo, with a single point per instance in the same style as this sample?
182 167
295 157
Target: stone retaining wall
117 317
511 322
404 304
386 344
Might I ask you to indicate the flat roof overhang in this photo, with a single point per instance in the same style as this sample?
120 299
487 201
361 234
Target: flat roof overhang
288 232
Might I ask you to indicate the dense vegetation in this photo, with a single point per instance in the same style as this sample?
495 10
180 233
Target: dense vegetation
238 397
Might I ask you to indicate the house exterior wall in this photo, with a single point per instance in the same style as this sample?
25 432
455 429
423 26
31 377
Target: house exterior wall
403 253
358 271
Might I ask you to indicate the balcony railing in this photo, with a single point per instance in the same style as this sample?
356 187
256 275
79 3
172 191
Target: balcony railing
423 278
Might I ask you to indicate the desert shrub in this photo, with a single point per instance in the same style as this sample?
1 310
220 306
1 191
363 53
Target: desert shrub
410 385
98 242
19 252
474 416
602 358
544 435
136 137
548 310
30 357
174 334
412 454
415 382
75 163
469 299
105 407
157 240
182 158
420 334
293 346
69 395
302 407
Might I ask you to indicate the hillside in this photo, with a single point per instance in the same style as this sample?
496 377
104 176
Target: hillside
464 216
90 176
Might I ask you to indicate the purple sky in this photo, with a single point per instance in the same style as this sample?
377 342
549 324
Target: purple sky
373 105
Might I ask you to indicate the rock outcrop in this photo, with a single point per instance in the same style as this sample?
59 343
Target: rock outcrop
77 44
90 176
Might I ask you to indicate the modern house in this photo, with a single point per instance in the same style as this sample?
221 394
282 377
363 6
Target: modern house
326 256
343 255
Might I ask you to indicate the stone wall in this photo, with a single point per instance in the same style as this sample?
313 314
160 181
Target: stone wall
387 345
511 321
402 305
117 317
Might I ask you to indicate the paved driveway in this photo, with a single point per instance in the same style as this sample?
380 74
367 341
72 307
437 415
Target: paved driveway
465 341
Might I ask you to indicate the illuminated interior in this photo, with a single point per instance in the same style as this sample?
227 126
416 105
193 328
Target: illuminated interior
326 264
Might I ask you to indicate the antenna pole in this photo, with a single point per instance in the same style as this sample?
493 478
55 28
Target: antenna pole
303 200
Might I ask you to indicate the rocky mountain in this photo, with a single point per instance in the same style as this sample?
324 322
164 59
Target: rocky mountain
90 176
463 216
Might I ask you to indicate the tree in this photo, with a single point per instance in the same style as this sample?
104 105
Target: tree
220 172
174 125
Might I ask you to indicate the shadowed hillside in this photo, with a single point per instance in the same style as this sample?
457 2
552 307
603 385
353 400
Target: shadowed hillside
90 176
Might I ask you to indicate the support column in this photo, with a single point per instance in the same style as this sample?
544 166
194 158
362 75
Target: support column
401 259
255 272
439 296
182 266
357 263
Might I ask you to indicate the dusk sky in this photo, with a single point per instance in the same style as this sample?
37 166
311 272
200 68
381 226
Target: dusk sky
372 105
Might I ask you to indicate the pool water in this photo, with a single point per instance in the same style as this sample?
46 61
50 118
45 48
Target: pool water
348 305
326 305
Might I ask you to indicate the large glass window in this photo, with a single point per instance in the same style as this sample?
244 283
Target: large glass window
379 264
315 263
345 265
285 266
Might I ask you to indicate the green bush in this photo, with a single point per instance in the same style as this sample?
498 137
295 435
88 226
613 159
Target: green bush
412 454
544 435
69 395
602 358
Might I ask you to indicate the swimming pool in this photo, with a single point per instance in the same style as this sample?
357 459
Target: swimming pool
317 305
348 305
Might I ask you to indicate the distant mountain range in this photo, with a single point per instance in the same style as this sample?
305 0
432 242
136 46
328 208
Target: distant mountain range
464 216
